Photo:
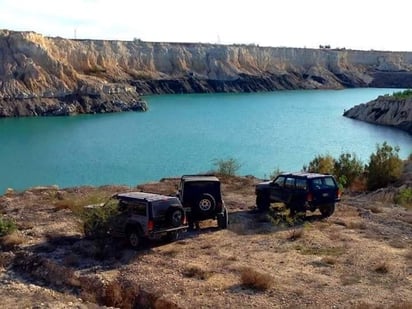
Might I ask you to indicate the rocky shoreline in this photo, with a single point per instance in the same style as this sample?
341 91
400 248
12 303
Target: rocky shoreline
385 110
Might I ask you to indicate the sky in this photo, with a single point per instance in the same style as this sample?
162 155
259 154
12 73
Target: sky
351 24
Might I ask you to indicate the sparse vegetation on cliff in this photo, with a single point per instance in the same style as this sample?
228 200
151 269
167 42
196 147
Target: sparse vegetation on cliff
403 94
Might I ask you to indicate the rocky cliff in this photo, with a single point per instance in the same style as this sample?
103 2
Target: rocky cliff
385 110
42 75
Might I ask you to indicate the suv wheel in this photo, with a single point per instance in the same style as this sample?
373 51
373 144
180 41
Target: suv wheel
262 202
133 236
175 217
206 203
327 210
222 219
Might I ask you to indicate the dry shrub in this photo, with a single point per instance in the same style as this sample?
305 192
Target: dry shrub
295 234
376 209
355 225
329 260
6 259
171 252
11 241
382 267
164 303
194 271
255 279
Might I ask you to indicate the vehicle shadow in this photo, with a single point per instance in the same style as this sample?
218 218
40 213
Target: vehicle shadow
263 222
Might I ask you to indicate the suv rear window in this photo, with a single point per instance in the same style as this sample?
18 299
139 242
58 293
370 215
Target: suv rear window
324 182
159 207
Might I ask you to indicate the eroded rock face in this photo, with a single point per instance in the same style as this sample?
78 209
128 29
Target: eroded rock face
385 110
44 76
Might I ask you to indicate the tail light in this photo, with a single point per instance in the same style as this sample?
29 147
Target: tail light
184 220
150 225
338 193
309 197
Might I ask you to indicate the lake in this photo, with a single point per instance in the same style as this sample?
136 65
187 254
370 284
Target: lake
183 134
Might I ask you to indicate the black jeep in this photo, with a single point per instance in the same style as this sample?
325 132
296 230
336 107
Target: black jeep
145 215
202 199
300 192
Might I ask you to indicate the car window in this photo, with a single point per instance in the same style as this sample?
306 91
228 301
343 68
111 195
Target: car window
301 184
323 183
160 207
290 182
280 181
329 181
133 207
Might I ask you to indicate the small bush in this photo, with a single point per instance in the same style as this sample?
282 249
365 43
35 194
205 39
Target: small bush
228 167
321 164
404 197
347 168
384 166
382 268
96 221
256 280
7 226
193 271
11 241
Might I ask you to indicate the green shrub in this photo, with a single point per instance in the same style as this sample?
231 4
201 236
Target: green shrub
403 94
227 167
7 226
404 197
97 220
384 166
321 164
347 168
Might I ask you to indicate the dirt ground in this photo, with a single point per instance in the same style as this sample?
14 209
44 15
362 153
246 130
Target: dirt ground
360 257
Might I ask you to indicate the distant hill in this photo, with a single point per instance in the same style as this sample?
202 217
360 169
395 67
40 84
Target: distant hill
54 76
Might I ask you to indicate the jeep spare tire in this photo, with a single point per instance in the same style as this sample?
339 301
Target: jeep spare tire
175 217
206 203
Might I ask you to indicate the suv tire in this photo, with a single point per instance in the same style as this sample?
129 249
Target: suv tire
175 217
223 220
262 202
207 203
133 237
327 210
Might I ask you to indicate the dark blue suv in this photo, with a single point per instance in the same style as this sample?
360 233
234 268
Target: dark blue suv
300 192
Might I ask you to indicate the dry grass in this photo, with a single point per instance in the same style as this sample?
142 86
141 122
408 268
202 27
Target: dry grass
11 241
376 209
254 279
408 254
194 271
355 225
296 233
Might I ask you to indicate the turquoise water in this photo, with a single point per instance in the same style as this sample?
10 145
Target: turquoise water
184 133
